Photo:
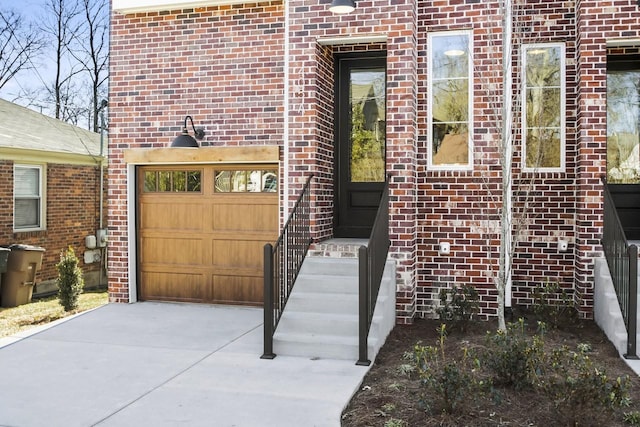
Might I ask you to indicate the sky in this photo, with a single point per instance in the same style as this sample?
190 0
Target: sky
31 10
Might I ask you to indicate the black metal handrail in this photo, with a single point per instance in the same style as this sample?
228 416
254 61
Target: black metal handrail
372 260
622 259
282 262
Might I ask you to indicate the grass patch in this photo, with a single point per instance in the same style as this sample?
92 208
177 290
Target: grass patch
41 311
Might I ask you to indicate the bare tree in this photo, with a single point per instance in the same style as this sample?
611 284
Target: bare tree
90 48
60 25
502 84
506 151
19 45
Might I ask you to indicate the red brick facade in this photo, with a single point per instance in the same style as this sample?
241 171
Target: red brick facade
229 67
72 212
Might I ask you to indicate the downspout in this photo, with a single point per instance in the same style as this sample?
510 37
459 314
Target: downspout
285 151
101 110
103 264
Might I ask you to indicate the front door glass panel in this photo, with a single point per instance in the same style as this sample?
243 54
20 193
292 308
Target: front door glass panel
368 125
623 124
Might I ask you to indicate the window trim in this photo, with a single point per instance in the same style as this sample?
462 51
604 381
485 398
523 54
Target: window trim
563 108
41 197
470 119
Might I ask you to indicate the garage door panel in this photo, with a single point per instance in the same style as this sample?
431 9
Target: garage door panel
237 289
245 217
203 243
174 286
177 215
238 254
173 251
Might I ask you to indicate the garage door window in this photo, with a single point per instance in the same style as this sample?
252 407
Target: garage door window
246 181
174 181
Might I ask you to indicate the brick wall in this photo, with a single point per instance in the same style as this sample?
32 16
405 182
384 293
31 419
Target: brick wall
311 135
596 23
463 207
73 204
225 66
221 65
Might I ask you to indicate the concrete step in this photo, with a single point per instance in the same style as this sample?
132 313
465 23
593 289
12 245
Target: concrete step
322 346
607 313
320 319
307 323
324 283
330 266
327 302
320 302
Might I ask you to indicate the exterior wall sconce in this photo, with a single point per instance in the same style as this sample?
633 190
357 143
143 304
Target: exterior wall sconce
342 6
186 140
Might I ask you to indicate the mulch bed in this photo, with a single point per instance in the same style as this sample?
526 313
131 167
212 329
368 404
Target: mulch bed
390 397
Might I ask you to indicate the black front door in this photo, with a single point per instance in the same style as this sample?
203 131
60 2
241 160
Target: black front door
360 146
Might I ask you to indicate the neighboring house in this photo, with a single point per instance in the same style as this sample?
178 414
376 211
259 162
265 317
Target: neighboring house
405 89
50 192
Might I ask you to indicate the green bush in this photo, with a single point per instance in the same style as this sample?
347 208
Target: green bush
447 381
553 304
632 418
574 385
458 305
513 358
70 282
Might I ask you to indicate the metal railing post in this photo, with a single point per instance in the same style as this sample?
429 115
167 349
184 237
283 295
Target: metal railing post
268 303
363 306
632 321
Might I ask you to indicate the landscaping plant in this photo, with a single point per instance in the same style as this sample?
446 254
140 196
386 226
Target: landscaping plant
515 359
70 282
553 304
574 384
458 305
449 382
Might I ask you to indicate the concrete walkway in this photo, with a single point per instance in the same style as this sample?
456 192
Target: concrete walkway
165 364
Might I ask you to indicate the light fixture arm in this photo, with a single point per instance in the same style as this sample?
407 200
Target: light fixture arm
199 133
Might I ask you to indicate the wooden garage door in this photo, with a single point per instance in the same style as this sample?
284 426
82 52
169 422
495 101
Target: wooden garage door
201 232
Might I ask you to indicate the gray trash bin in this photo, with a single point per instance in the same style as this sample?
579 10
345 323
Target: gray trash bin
18 280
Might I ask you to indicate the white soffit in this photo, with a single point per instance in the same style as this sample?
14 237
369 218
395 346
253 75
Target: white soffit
355 39
135 6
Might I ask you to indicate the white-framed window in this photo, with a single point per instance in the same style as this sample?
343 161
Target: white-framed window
450 97
28 199
543 107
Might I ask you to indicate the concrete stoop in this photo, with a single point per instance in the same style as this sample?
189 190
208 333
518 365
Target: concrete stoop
607 313
320 320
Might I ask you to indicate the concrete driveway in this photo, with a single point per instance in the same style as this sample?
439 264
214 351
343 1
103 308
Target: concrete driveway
165 364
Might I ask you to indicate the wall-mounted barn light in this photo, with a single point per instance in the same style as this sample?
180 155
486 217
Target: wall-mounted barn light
342 6
186 140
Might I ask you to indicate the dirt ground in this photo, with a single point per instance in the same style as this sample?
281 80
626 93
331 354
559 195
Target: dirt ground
391 397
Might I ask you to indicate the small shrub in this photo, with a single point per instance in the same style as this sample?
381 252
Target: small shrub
450 381
394 422
69 281
632 418
389 407
513 358
458 305
574 385
553 304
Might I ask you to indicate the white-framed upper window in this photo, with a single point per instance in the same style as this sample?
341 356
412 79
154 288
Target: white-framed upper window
28 200
449 102
543 107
